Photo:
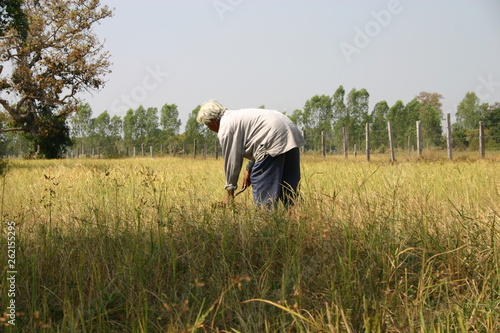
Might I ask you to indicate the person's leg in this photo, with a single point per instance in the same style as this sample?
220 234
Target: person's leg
290 177
266 180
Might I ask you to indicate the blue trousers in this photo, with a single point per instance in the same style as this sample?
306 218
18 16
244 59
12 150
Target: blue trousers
276 178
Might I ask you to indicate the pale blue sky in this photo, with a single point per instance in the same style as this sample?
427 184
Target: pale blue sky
278 53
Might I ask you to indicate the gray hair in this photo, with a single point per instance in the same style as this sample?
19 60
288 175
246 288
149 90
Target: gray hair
211 110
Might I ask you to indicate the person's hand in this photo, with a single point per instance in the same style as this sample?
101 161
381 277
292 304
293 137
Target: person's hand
229 198
246 180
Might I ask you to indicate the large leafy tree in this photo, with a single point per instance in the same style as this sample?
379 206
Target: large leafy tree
60 58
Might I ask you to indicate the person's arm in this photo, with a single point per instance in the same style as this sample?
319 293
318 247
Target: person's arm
232 150
246 177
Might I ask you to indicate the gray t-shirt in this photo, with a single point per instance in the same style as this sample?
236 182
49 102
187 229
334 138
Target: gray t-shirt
253 134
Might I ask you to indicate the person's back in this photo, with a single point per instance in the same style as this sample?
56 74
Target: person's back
260 132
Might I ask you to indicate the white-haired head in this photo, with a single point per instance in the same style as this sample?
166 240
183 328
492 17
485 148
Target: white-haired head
211 110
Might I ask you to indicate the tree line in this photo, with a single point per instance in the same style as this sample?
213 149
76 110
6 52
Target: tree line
322 115
334 114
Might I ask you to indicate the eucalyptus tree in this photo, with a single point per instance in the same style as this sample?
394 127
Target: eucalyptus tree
430 115
354 116
378 131
129 129
169 120
396 116
470 111
81 125
317 118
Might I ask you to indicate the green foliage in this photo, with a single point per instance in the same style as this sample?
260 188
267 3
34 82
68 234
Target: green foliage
459 136
4 164
316 118
492 121
169 120
379 124
13 17
321 113
470 111
430 114
53 135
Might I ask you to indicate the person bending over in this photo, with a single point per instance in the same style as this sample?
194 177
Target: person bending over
269 139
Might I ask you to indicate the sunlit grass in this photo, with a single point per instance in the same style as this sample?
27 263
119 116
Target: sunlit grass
138 245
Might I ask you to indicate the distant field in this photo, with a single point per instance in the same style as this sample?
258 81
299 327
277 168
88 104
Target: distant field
139 245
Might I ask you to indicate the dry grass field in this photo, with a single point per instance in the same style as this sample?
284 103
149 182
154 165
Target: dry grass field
139 245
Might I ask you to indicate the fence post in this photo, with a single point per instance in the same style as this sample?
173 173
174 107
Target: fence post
481 139
323 145
391 142
194 149
419 139
134 151
448 136
409 146
304 146
151 151
367 130
345 141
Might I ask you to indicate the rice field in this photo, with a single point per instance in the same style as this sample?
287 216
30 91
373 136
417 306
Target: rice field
140 245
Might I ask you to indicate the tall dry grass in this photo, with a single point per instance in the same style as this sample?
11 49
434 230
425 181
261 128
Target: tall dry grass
138 246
